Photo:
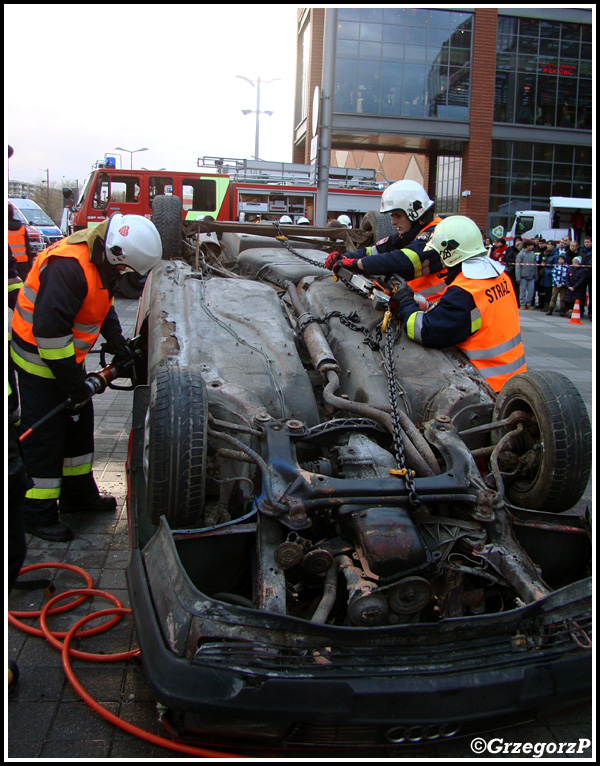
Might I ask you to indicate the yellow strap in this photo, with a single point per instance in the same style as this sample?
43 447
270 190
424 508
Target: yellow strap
282 238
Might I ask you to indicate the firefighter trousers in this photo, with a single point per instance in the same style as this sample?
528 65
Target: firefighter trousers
59 454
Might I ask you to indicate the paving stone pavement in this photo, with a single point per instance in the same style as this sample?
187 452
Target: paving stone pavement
48 720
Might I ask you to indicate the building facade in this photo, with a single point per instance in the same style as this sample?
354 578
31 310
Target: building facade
491 107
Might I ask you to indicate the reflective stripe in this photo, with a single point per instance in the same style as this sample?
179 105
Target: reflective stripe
414 326
30 294
57 353
418 267
475 321
29 362
502 369
78 466
44 489
54 343
488 353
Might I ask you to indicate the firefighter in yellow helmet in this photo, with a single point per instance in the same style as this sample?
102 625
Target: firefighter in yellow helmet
478 312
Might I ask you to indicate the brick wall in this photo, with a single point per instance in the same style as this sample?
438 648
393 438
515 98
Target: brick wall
478 151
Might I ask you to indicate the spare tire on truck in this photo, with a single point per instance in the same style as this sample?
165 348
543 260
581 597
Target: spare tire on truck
552 457
380 224
175 446
167 216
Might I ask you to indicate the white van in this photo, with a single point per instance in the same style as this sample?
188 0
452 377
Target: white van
41 221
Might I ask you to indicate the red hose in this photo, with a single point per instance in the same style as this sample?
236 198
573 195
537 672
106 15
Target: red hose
52 636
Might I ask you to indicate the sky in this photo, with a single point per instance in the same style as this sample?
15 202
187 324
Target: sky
81 80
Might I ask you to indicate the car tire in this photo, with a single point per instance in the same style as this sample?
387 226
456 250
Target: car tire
167 217
176 447
379 224
559 430
131 285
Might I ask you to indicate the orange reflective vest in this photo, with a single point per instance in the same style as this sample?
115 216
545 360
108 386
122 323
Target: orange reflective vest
88 320
18 244
430 286
495 348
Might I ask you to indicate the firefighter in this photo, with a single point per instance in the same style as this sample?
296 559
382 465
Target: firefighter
404 254
478 312
345 220
66 302
18 241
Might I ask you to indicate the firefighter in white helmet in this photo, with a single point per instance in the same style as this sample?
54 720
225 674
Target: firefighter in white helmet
65 304
345 220
412 214
478 312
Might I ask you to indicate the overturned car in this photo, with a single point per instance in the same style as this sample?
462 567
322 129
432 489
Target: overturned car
339 537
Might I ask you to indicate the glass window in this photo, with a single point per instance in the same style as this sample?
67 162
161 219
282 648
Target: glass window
439 19
369 51
529 27
416 17
393 52
371 14
393 34
348 30
414 54
348 14
371 33
391 89
159 185
368 87
199 194
525 92
346 74
394 16
413 96
584 105
347 49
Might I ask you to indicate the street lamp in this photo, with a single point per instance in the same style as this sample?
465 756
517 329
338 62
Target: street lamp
130 152
257 112
47 182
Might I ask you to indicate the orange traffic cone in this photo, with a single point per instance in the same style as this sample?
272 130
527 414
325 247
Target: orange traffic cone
576 315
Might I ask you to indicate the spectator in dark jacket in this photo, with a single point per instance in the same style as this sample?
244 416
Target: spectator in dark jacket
576 286
510 256
586 261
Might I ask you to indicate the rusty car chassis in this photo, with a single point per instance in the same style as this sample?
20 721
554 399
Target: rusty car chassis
340 538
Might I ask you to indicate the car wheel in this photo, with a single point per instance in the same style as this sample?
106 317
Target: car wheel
131 285
166 216
550 461
379 224
176 447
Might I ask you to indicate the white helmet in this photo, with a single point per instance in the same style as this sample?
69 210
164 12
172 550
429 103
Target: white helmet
408 196
285 219
456 238
345 220
303 221
134 241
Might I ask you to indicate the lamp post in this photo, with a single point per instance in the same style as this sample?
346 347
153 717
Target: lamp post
131 152
257 112
47 182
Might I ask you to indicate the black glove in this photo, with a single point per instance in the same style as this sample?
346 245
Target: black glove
124 363
80 396
403 294
117 346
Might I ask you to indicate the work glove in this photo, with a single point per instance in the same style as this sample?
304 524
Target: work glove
337 261
403 294
123 356
80 396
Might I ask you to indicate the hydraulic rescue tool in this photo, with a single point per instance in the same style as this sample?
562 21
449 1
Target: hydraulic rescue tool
97 382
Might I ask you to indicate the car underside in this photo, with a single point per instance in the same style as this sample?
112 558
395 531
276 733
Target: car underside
340 537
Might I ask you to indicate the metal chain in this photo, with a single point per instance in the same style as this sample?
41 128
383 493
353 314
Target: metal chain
398 439
350 321
283 239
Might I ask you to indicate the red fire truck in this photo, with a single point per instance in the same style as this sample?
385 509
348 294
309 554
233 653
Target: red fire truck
238 190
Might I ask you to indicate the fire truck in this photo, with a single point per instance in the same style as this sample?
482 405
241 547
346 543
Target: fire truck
236 190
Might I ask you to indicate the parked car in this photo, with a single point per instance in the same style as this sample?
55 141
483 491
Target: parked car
36 240
37 218
339 537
